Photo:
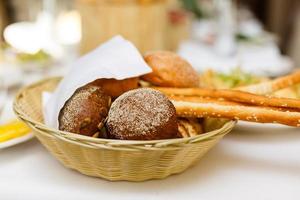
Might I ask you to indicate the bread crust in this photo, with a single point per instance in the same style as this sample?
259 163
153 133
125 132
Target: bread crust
142 114
115 88
196 107
273 85
85 111
170 70
233 95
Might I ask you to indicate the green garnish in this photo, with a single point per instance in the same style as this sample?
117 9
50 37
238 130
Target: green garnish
237 78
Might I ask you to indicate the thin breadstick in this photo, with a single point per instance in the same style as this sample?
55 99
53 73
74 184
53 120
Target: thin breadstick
194 108
238 96
273 85
226 102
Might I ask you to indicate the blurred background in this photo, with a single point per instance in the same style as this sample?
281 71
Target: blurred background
42 38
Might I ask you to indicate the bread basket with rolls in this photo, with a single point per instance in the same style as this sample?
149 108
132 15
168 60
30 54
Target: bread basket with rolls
111 159
106 120
120 116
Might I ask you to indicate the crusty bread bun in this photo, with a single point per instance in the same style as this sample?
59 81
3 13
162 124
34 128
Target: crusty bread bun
115 88
170 70
142 114
85 111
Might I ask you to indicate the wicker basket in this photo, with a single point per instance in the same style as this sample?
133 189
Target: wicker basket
115 159
142 22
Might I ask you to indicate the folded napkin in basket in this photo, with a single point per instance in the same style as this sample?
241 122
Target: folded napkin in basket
117 58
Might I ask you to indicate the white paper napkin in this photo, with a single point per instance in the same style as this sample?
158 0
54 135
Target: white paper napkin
117 58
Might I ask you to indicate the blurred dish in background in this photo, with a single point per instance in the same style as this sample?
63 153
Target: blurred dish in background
14 133
252 127
238 78
23 36
229 38
14 59
262 60
16 141
235 78
48 38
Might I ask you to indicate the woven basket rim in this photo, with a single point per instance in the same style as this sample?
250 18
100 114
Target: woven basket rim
71 137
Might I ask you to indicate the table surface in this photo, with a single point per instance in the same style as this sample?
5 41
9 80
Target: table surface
252 162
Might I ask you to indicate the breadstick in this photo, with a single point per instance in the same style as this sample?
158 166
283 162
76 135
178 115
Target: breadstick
273 85
195 108
238 96
226 102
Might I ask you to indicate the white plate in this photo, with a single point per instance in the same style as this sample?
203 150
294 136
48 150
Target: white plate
7 116
15 141
244 126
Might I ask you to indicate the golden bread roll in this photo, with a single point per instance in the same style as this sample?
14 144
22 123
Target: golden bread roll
170 70
115 88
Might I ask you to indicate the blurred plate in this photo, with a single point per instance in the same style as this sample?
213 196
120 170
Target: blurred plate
244 126
11 75
17 140
6 116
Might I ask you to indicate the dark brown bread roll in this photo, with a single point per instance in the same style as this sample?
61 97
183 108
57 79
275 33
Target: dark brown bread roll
85 112
142 114
170 70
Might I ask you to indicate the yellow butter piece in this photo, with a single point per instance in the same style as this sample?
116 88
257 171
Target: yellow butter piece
12 130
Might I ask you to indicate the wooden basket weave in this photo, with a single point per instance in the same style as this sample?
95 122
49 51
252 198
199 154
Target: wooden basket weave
115 159
143 22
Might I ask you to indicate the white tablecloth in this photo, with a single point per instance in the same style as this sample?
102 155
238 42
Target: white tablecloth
249 163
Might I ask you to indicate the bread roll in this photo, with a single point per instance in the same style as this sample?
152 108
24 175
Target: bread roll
170 70
115 88
85 111
142 114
